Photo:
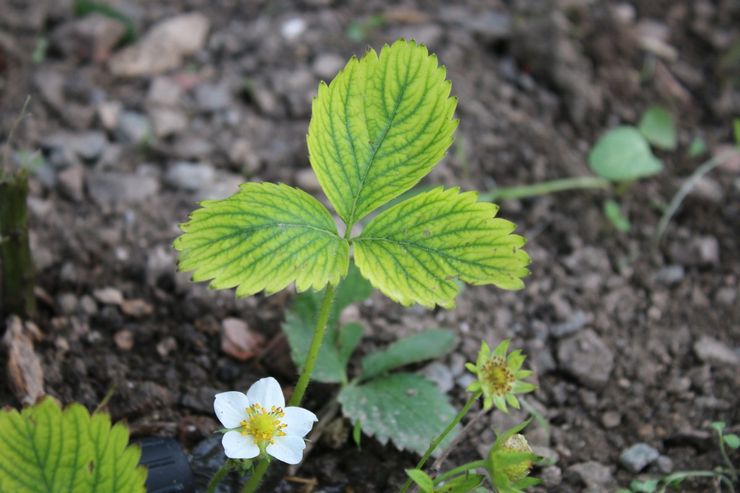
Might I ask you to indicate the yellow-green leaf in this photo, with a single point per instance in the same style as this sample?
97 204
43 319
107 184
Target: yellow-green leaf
46 450
415 251
264 237
380 126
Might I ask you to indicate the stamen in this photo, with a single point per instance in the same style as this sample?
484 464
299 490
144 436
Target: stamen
263 425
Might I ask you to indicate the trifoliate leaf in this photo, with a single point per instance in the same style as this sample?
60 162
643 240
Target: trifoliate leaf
415 251
623 154
379 127
338 344
426 345
264 237
657 126
404 408
46 450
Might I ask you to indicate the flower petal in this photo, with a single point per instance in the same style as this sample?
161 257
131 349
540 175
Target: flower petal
231 408
299 421
288 449
238 446
267 393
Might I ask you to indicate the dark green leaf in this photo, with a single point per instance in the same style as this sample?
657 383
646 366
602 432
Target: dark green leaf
426 345
422 479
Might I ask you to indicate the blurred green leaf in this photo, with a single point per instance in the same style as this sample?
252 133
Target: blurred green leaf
613 213
732 440
623 154
422 480
426 345
658 128
697 147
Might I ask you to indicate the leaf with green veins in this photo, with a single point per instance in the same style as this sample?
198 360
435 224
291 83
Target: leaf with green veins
657 126
46 449
380 126
426 345
415 251
264 237
623 154
404 408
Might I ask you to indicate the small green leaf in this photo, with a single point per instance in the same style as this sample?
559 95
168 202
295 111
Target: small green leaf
697 147
415 251
613 213
718 426
649 486
461 484
736 131
404 408
422 479
658 128
426 345
264 237
623 154
380 126
732 440
44 449
357 433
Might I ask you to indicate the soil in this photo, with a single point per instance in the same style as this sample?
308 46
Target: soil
631 342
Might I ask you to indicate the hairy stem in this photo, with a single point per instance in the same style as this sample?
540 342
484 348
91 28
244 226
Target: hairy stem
300 388
218 477
546 187
435 443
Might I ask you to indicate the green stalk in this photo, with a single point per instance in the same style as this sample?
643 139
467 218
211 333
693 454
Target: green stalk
433 446
478 464
546 187
300 389
219 476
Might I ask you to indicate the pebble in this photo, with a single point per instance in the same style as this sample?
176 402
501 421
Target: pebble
595 476
133 127
137 308
670 275
166 346
164 91
109 113
109 296
326 65
440 374
238 341
707 248
67 303
551 476
91 37
587 358
638 457
167 121
71 182
611 419
293 28
715 352
108 188
163 47
307 180
241 153
213 97
665 464
575 323
124 339
190 176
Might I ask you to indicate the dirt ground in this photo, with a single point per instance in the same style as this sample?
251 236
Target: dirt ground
631 342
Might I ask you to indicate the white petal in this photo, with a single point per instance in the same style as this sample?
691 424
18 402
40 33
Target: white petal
299 421
288 449
238 446
231 408
267 393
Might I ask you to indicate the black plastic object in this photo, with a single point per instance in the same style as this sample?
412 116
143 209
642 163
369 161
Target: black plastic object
169 470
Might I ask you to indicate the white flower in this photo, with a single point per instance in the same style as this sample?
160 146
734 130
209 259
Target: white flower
259 422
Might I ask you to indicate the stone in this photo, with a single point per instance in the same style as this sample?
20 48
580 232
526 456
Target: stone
551 476
213 97
164 91
707 249
67 303
241 154
137 308
189 176
133 127
107 188
293 28
166 346
587 358
71 182
224 185
307 180
638 457
596 477
87 146
91 37
670 275
163 47
611 419
167 121
326 65
575 323
109 296
238 341
24 370
715 352
109 113
665 464
440 374
124 339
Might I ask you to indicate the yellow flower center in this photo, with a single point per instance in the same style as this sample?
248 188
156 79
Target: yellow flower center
496 376
263 425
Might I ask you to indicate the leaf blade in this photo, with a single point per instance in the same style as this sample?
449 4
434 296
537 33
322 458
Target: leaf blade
263 238
380 126
414 251
426 345
657 126
623 154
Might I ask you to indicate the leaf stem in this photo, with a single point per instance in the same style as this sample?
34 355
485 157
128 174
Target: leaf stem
478 464
731 468
300 389
219 476
545 187
442 436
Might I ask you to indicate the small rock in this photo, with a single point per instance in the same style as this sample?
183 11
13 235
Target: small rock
595 476
190 176
307 180
109 113
587 358
225 185
726 295
670 275
570 326
91 37
715 352
665 464
166 346
551 476
124 339
159 264
163 47
137 308
241 154
167 121
213 97
25 374
611 419
88 305
87 146
327 65
707 248
238 341
440 374
164 91
293 28
67 303
108 188
267 102
133 127
71 182
638 457
109 296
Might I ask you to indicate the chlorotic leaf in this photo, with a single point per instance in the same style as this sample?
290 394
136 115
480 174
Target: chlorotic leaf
44 449
264 237
426 345
657 126
415 251
380 126
404 408
623 154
